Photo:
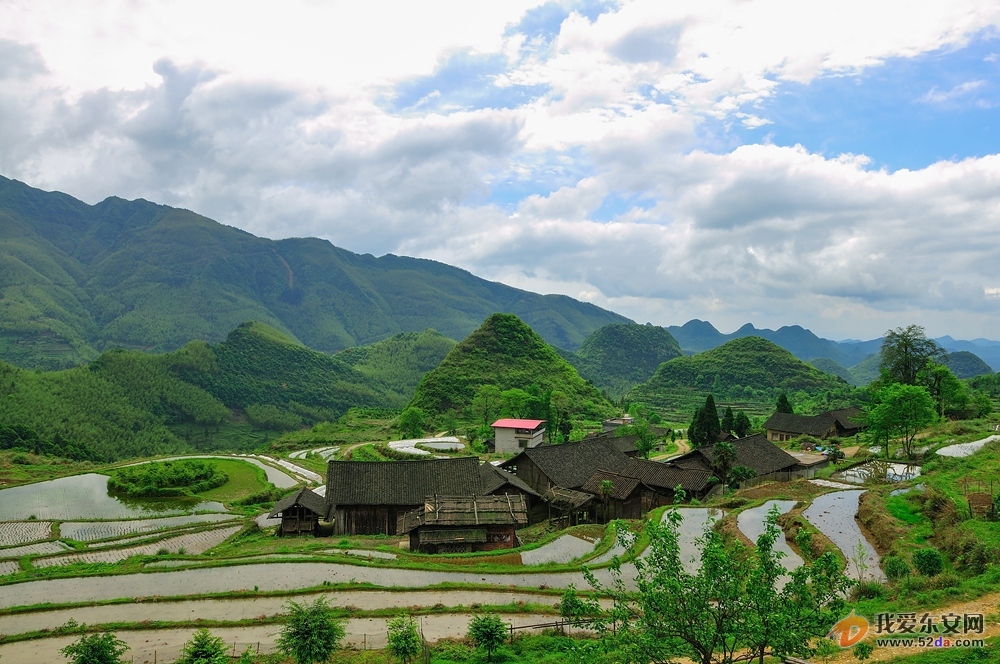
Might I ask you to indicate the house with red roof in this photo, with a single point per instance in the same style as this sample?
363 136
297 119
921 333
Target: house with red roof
513 435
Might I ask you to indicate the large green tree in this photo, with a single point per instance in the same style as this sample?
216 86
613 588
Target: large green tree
733 608
310 632
948 392
404 639
741 425
905 351
488 632
203 648
705 427
103 648
783 405
728 420
898 412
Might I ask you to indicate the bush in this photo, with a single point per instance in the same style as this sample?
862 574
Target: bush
928 562
869 589
170 478
896 567
203 648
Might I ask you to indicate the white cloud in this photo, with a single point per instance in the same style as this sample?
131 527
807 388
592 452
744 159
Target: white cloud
276 122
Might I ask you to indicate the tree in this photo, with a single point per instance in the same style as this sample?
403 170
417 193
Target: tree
899 411
905 351
944 387
729 610
559 426
404 639
103 648
645 439
705 427
411 422
310 632
741 425
514 403
486 404
487 632
203 648
728 421
783 405
725 459
607 489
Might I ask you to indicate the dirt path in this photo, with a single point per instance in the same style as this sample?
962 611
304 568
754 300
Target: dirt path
167 643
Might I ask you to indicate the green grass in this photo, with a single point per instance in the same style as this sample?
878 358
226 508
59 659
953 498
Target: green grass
245 479
904 510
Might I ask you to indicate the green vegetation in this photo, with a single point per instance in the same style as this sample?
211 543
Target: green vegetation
399 362
897 413
829 366
169 478
618 357
311 632
79 279
95 649
487 631
746 372
965 364
203 648
508 354
245 481
404 640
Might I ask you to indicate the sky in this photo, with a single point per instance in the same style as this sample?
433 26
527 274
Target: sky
828 164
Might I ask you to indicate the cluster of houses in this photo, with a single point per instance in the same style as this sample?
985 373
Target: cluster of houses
462 505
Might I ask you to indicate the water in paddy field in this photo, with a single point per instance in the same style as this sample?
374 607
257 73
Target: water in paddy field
877 471
86 497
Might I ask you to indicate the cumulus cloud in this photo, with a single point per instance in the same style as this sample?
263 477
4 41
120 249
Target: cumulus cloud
560 148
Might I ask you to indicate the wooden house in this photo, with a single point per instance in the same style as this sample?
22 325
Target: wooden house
367 497
842 423
300 513
755 452
463 524
567 466
625 500
663 478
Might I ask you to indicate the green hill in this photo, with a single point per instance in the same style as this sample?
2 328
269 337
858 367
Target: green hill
129 403
744 371
829 366
966 364
618 357
79 279
399 362
867 370
505 352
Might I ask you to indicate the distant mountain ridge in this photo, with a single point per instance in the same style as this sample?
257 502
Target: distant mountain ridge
79 279
697 336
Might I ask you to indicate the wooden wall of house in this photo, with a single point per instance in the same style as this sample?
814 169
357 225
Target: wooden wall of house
632 508
532 475
297 520
498 537
368 519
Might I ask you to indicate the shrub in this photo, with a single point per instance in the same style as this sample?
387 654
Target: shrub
203 648
928 562
868 589
896 567
488 632
170 478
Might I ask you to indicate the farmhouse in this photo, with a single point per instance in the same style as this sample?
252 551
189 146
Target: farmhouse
300 513
513 435
612 424
625 500
499 482
462 524
755 452
842 423
566 466
662 480
367 497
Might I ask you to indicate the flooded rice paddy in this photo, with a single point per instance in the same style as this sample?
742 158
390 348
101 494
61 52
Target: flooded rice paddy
91 532
751 523
86 497
39 549
692 528
13 534
833 514
966 449
189 543
878 471
560 550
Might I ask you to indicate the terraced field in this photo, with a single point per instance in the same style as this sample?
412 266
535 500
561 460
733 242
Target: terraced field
191 543
93 531
22 532
40 549
9 567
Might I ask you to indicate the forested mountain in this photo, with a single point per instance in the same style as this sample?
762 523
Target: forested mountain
507 353
399 362
78 279
966 365
618 357
827 365
130 403
750 369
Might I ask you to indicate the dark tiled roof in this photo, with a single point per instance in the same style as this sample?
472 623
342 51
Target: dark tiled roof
668 475
401 482
566 499
814 425
570 465
622 487
495 478
754 452
311 501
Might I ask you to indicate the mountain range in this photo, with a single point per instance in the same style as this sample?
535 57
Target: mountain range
78 279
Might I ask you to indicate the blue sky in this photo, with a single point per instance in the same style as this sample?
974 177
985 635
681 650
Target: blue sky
830 164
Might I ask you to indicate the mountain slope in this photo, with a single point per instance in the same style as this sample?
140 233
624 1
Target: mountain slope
507 353
78 279
619 356
400 361
966 365
750 370
130 403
